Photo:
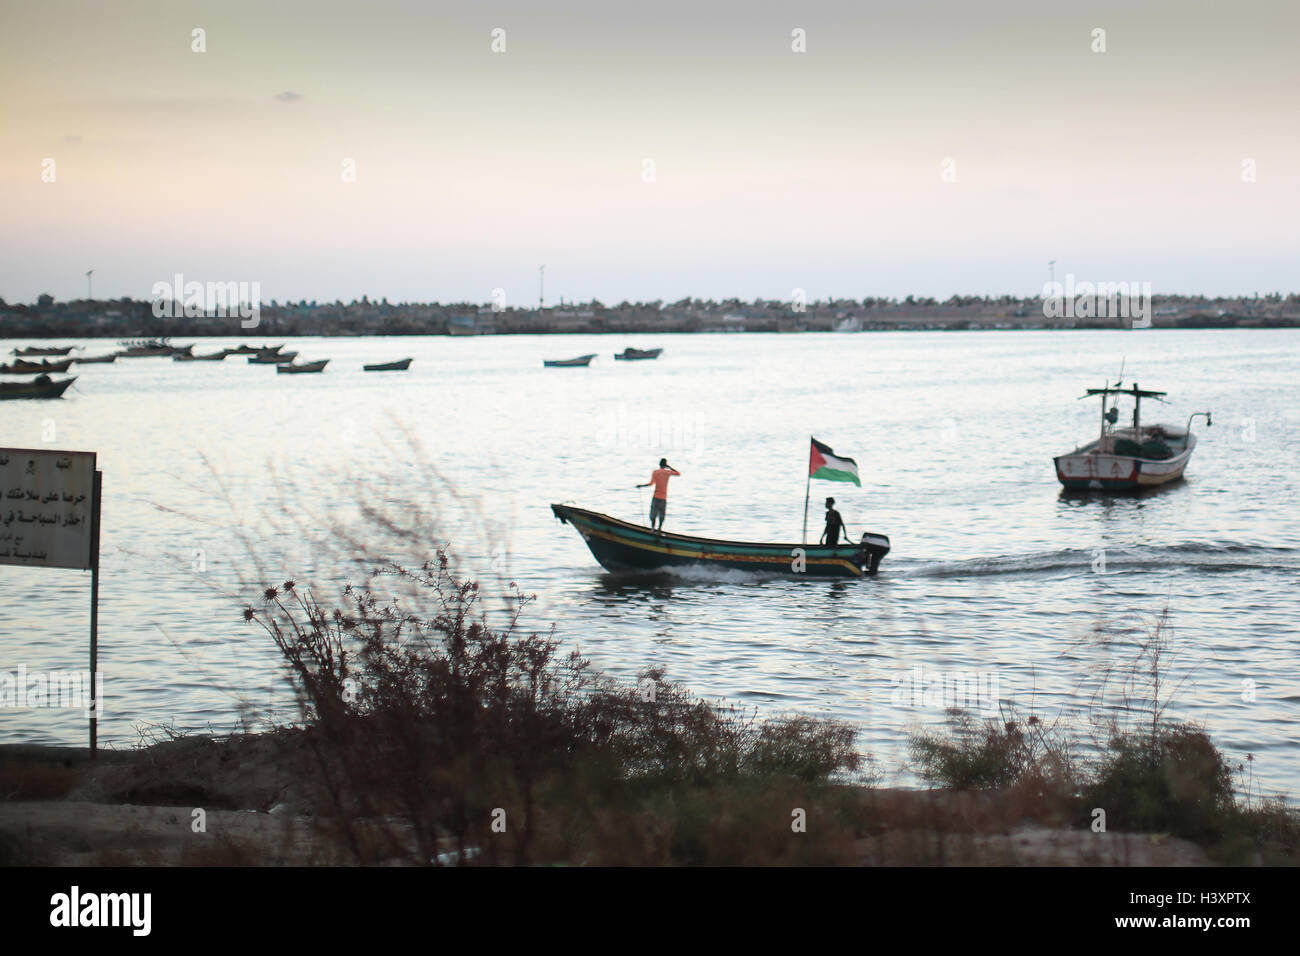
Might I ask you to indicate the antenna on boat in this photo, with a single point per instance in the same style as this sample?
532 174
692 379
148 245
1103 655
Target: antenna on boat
1121 373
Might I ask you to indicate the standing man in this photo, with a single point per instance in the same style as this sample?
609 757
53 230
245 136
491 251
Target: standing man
659 502
834 526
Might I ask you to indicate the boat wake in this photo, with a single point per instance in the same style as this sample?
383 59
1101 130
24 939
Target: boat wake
1193 556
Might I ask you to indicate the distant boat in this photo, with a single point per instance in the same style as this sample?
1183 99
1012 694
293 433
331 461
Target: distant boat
272 358
43 387
851 324
254 349
214 357
304 368
623 547
43 350
153 348
35 368
401 365
1128 458
98 359
580 361
635 355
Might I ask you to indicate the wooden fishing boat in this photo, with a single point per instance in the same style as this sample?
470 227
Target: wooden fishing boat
272 358
582 361
98 359
35 368
623 547
42 350
1128 458
637 355
401 365
254 349
42 387
153 348
303 369
214 357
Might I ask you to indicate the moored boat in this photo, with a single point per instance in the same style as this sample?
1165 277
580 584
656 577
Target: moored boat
303 369
636 355
580 362
1128 458
97 359
254 349
623 547
401 365
272 358
35 368
214 357
43 350
153 348
42 387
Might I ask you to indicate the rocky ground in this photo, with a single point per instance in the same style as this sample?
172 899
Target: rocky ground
199 801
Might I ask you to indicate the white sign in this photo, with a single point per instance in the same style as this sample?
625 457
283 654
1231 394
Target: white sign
46 507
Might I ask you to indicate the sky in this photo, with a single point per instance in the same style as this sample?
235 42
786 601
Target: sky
649 151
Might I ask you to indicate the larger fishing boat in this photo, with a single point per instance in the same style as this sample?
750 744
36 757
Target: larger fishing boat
623 547
1132 457
42 387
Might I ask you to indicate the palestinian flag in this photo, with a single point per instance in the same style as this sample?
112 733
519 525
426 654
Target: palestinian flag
824 463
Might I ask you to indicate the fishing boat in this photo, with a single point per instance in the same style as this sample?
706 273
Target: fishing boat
272 358
254 349
98 359
214 357
35 368
303 369
42 387
580 362
1128 458
637 355
153 348
401 365
623 547
42 350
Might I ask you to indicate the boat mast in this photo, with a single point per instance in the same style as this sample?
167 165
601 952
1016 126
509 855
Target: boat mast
1101 436
1137 405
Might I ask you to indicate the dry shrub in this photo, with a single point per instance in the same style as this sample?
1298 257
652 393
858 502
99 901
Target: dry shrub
434 736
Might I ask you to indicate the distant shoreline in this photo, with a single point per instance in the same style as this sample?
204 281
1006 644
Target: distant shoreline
137 319
264 331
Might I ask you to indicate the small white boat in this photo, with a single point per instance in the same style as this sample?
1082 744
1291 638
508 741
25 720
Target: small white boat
1128 458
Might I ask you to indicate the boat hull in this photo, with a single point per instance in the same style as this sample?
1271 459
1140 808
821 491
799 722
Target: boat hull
1093 471
638 355
35 368
14 390
307 368
623 547
399 366
581 361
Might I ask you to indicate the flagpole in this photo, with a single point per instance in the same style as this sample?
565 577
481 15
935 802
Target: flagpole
807 487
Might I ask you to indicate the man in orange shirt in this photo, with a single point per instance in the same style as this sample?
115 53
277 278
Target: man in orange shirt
659 502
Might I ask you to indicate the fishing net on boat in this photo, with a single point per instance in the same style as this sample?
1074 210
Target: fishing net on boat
1155 449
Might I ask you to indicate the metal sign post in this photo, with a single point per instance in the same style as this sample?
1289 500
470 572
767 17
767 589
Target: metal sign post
94 613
